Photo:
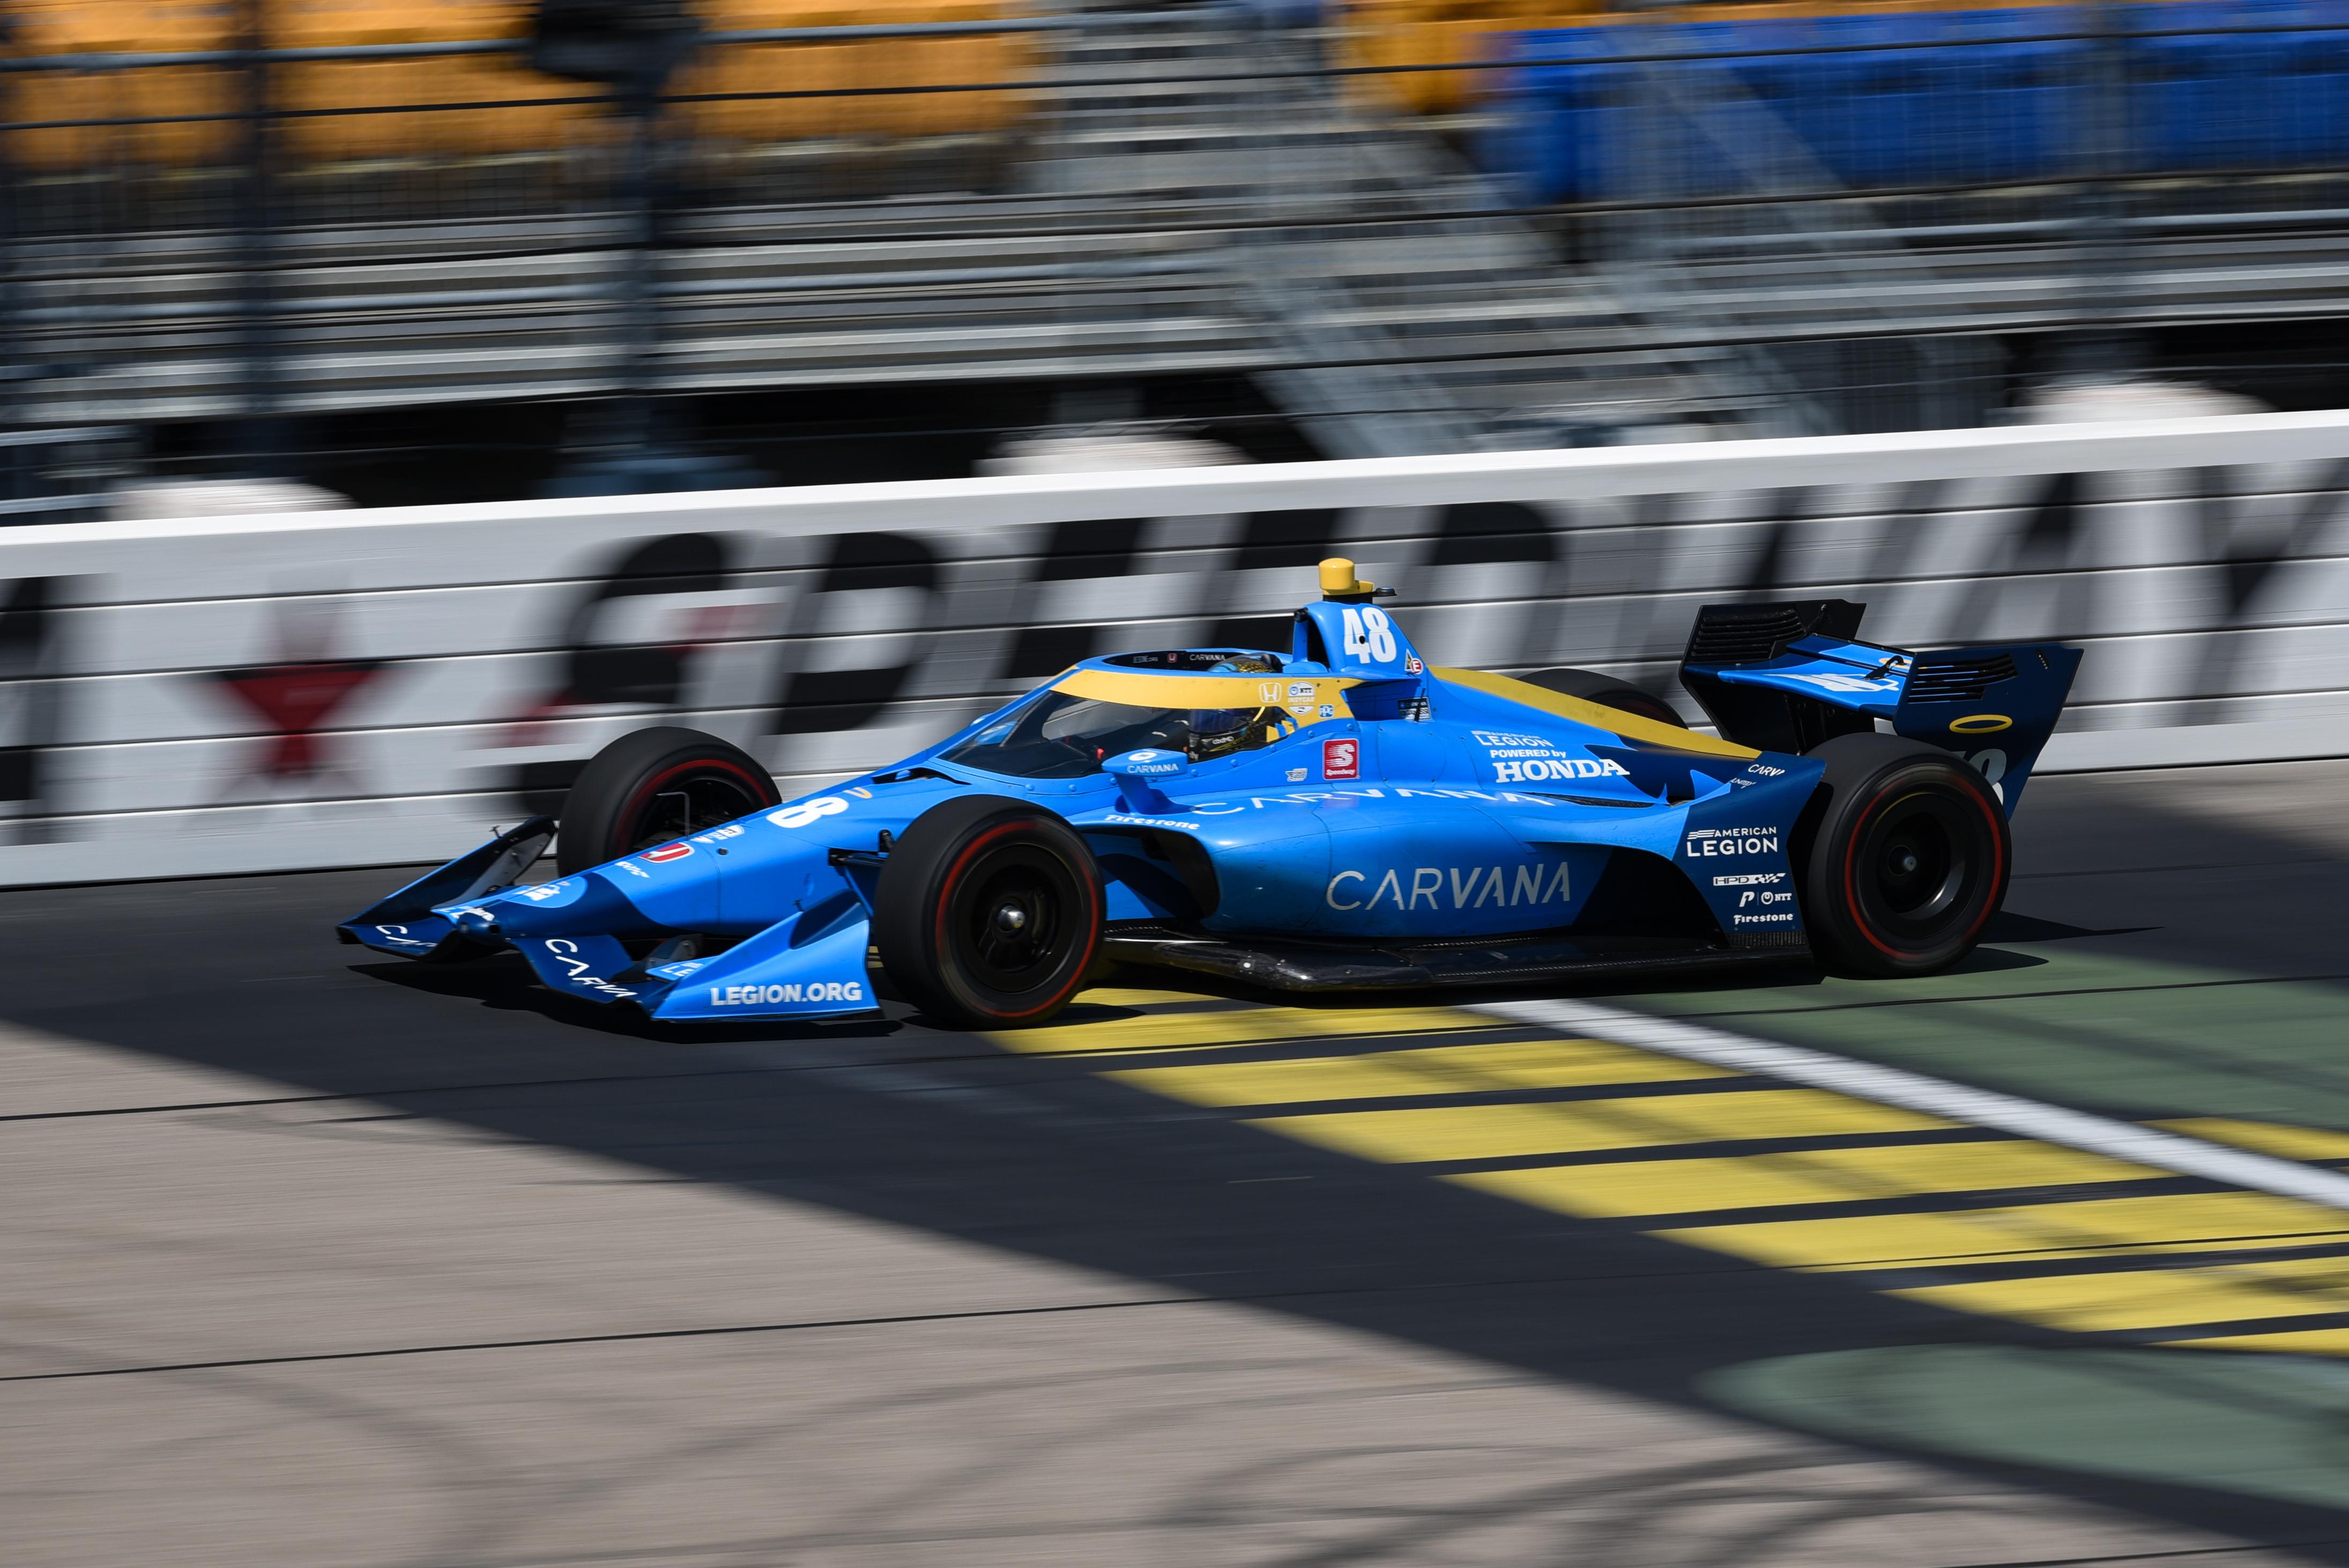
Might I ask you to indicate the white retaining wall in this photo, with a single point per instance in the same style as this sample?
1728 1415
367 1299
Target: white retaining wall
355 688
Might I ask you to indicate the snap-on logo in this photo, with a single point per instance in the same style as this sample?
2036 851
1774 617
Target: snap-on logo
1341 759
669 852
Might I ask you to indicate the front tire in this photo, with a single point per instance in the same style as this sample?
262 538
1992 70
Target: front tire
1607 693
1909 860
654 786
988 912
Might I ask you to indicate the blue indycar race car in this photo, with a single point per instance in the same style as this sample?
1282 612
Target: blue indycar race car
1336 815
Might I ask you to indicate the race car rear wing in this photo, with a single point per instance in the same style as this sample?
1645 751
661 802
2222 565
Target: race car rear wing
1784 677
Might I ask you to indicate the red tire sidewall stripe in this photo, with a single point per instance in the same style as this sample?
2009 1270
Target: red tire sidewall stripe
945 903
1851 872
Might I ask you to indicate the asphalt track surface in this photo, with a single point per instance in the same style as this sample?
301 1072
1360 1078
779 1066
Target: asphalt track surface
309 1258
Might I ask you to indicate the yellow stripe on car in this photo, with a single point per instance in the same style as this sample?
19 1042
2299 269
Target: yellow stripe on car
1142 689
1630 726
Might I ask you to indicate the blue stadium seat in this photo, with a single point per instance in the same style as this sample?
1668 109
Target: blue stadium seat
2002 94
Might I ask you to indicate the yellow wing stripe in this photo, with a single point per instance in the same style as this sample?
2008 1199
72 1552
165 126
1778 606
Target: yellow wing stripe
1139 690
1630 726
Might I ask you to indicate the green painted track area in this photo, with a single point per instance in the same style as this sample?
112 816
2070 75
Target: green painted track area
2176 945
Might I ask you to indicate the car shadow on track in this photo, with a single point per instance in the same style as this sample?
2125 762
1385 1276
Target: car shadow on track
503 983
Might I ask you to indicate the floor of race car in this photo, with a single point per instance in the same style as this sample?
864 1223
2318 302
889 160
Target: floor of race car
310 1258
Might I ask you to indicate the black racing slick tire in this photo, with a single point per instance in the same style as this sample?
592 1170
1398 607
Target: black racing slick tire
988 912
1907 859
1607 693
654 786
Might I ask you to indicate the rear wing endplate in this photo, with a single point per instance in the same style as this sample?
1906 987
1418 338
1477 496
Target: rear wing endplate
1785 677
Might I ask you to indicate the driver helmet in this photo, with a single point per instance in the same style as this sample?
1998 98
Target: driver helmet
1219 731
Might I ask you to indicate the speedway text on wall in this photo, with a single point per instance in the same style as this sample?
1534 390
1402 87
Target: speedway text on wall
357 687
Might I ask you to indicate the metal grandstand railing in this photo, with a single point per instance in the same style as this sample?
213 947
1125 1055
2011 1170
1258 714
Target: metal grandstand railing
1073 194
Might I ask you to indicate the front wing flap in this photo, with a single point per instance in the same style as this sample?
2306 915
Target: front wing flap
809 966
405 923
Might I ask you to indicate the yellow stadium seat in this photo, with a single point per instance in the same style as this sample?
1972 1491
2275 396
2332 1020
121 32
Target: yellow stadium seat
44 29
1394 37
763 67
957 61
465 78
993 63
146 26
852 70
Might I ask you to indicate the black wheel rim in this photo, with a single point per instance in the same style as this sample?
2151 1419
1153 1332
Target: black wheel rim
1919 866
1011 920
687 804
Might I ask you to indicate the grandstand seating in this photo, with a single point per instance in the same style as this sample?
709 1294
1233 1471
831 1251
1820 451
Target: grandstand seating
310 136
1954 95
101 26
1393 43
861 70
874 70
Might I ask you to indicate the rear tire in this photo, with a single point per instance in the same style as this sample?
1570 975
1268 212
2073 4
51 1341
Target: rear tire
654 786
1908 859
988 912
1607 693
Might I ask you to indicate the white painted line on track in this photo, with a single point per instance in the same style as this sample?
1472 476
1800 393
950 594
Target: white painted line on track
2167 1151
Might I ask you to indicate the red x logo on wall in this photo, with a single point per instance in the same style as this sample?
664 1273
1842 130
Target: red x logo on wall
296 701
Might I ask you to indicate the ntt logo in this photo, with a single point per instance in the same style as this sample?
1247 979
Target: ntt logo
766 995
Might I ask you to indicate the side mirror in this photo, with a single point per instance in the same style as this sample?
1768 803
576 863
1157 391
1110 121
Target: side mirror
1139 773
1150 762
